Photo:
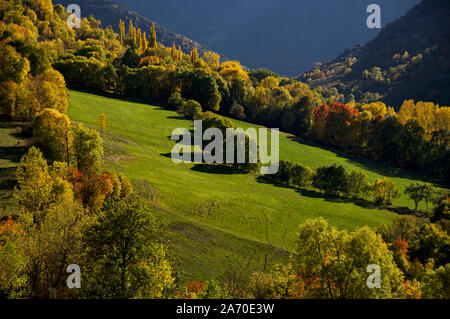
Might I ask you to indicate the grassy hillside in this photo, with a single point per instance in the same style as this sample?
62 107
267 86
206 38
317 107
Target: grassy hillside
213 215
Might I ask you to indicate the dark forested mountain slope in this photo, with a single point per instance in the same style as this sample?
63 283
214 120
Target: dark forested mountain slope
409 59
109 13
287 36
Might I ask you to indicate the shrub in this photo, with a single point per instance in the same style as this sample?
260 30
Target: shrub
191 109
175 100
332 180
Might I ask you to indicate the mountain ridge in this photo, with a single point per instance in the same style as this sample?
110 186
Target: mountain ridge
286 36
407 60
109 13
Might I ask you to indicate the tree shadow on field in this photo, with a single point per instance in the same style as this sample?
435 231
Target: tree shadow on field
377 167
12 153
304 192
220 169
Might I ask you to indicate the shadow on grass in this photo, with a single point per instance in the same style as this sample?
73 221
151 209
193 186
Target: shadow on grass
361 202
380 168
12 153
220 169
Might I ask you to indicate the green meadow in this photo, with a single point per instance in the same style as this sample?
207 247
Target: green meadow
214 216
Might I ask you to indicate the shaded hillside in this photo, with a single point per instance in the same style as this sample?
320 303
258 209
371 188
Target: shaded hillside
109 13
409 59
286 36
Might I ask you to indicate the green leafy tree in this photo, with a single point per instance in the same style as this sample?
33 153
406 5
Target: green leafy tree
191 109
415 192
335 262
436 284
357 184
214 290
123 254
332 180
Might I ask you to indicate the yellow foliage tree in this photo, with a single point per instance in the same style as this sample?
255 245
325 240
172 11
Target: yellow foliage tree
52 130
376 108
407 111
232 69
270 82
212 59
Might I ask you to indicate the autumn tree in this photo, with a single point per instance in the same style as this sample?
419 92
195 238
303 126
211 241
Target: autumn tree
152 38
52 245
34 190
194 57
13 261
52 130
270 83
232 69
101 123
14 66
335 262
87 148
212 59
385 191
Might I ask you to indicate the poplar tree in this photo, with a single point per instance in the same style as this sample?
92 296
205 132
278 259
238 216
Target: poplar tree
194 55
152 41
180 54
144 43
122 31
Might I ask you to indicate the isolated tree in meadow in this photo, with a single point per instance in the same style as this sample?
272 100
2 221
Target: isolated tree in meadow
385 191
101 123
415 192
